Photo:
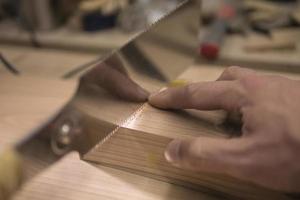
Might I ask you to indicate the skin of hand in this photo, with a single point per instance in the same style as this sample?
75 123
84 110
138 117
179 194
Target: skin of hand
112 76
268 151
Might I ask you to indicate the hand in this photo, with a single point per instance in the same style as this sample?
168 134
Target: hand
268 151
112 76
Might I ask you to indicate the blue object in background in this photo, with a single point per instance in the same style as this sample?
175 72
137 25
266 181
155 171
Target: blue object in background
95 21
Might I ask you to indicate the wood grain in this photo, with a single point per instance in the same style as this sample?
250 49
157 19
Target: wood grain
28 102
136 148
72 179
25 102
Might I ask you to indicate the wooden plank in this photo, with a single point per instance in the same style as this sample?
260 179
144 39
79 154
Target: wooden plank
25 102
72 179
28 102
137 142
146 121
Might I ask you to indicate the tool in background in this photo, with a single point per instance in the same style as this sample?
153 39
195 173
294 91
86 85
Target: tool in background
142 13
265 16
211 42
8 65
72 128
249 17
100 14
268 18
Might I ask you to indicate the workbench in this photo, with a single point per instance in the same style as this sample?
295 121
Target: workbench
70 178
232 51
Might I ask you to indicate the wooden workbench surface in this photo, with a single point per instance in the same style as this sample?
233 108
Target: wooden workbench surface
26 100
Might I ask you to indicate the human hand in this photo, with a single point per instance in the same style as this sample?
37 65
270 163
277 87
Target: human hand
112 76
268 151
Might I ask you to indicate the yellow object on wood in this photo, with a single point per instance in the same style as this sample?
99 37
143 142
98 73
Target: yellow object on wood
10 173
178 83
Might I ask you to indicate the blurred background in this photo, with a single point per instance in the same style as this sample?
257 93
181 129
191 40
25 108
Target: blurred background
70 33
60 39
57 19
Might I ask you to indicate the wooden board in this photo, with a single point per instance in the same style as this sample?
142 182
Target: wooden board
18 119
72 179
26 102
138 135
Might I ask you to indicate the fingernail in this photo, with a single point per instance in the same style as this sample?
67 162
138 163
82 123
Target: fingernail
172 151
158 92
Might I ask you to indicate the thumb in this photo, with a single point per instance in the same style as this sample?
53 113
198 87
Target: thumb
207 154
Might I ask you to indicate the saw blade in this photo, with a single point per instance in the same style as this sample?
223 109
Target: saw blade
160 53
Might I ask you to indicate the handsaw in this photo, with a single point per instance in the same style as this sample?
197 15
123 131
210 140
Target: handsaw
148 54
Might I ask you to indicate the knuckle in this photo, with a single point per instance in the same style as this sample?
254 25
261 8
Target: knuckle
234 93
247 161
190 153
233 69
251 82
189 149
190 91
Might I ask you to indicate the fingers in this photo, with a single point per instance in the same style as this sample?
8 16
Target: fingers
208 155
204 96
235 73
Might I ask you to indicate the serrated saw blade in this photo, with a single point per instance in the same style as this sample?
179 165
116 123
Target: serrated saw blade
159 53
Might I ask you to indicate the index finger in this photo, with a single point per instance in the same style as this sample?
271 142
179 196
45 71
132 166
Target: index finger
225 95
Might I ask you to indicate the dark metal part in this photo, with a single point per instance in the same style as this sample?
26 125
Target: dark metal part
50 142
